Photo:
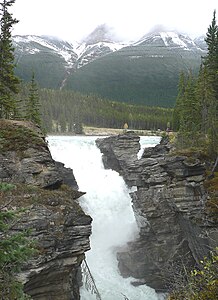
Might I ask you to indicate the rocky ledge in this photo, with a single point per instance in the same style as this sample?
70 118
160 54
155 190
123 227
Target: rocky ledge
170 205
57 224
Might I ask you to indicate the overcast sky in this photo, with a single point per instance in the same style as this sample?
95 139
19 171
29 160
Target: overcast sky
131 19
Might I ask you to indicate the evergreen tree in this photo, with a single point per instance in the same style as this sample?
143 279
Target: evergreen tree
8 81
189 113
179 101
205 94
212 44
211 35
211 71
196 110
33 104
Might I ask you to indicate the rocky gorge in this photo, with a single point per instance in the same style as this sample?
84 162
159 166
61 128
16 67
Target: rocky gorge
48 193
171 203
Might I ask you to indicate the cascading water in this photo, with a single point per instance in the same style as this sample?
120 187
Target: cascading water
108 202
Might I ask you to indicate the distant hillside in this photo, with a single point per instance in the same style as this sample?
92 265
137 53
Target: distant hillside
145 72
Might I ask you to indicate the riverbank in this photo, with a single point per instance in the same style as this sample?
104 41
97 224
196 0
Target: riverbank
92 131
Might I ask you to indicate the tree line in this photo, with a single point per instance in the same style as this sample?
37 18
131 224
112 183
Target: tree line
196 111
63 111
11 107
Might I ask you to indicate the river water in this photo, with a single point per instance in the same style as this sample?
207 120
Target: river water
108 202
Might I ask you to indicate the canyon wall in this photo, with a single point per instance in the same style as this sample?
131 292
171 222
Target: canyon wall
170 206
48 192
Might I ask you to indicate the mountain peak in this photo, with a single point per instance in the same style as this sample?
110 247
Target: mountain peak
167 38
102 33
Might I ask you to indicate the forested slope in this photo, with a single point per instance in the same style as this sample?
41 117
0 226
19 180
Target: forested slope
61 110
144 74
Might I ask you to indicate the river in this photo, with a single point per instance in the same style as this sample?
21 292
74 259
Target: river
108 202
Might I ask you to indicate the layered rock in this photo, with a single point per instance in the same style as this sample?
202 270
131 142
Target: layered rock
120 154
169 206
57 224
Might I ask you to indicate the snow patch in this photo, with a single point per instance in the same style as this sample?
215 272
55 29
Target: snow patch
172 36
84 48
33 51
64 49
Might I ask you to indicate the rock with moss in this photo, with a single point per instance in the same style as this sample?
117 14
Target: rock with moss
47 193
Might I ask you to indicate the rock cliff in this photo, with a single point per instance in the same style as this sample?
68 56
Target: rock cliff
170 206
58 226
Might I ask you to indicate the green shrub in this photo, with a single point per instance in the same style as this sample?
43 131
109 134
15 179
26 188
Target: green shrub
6 186
201 283
15 248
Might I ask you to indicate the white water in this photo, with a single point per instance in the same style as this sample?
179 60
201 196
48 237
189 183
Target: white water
108 202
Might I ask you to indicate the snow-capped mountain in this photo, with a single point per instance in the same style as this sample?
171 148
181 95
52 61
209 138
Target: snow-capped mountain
99 43
144 72
102 33
169 39
32 44
200 42
148 68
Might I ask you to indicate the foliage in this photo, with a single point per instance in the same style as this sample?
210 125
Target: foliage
8 81
60 110
14 137
32 112
196 110
201 283
15 248
49 68
6 186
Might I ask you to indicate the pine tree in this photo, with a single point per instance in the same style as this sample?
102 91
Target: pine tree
211 69
33 104
190 118
8 81
211 37
211 60
179 101
206 96
196 110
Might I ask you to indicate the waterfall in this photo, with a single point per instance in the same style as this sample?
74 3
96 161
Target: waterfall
108 202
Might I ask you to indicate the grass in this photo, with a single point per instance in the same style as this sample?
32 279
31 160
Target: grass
15 137
23 196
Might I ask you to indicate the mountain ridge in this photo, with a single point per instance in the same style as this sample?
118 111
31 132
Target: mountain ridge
102 38
102 65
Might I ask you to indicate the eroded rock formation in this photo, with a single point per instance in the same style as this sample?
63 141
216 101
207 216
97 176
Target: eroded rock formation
58 226
169 205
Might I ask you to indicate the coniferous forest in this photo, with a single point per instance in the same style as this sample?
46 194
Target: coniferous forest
196 110
61 111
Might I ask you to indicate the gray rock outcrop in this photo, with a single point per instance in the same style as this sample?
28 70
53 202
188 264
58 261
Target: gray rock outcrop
58 226
169 205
